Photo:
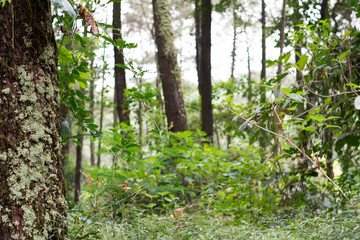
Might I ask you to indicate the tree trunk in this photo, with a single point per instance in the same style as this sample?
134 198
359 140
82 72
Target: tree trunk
263 47
92 109
120 80
101 116
276 116
250 93
32 187
78 168
205 87
169 70
282 33
233 60
324 11
263 74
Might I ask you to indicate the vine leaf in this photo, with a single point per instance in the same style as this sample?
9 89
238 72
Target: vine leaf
88 19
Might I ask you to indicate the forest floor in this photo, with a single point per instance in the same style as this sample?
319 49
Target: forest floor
209 225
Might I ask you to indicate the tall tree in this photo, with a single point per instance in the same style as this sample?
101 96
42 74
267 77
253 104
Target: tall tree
169 71
77 187
92 109
203 11
120 80
263 71
32 187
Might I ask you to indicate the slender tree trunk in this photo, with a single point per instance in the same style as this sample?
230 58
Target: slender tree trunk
101 117
169 71
233 55
92 109
263 73
120 80
140 122
324 11
197 36
78 168
276 116
205 87
250 93
263 54
32 186
282 33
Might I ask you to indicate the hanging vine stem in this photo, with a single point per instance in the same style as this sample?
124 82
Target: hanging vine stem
303 153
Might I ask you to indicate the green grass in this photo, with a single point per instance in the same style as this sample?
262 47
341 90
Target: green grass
209 225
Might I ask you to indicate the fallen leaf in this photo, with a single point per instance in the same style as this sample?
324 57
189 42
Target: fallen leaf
88 19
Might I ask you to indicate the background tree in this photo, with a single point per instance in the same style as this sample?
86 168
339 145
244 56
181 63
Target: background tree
32 192
203 26
122 109
169 71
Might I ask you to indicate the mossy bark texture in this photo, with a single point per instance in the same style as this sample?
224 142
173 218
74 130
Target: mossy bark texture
169 71
32 189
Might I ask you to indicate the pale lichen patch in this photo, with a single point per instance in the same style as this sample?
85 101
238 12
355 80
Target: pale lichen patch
6 91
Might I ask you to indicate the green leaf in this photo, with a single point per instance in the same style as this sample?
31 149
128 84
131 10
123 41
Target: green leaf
286 90
342 56
122 66
333 117
302 62
287 57
352 85
328 100
65 55
309 129
318 117
82 83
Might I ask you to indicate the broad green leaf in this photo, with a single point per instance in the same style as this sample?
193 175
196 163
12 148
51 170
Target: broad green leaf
82 83
342 56
309 129
65 55
302 62
287 57
328 100
286 90
346 33
352 85
318 117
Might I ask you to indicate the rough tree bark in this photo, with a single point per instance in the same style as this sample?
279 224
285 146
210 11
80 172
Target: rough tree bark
32 187
205 87
169 71
120 80
77 187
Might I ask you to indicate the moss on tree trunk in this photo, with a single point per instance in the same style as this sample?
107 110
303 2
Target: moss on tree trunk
169 71
32 188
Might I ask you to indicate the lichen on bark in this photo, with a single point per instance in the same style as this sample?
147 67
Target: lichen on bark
32 187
